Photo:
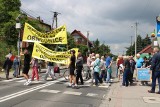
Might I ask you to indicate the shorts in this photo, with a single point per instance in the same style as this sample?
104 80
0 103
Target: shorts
71 70
26 69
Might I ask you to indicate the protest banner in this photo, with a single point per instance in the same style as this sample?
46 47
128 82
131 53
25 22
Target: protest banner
43 53
56 36
143 74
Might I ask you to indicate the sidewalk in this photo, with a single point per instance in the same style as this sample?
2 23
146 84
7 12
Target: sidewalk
131 96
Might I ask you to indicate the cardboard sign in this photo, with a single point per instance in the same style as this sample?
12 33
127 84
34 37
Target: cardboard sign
143 74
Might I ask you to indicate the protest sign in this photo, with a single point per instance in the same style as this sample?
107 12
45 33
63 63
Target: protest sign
143 74
56 36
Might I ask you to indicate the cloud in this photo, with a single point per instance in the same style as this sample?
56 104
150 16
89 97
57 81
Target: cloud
107 20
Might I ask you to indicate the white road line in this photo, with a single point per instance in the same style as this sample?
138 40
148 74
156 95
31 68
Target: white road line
72 93
50 91
22 80
103 86
12 79
91 94
89 81
7 97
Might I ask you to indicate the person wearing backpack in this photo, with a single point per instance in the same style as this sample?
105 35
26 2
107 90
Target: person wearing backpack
97 70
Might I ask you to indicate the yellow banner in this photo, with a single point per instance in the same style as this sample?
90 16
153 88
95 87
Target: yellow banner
57 36
43 53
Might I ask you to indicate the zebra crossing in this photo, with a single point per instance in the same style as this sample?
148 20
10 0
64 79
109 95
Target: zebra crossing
87 83
42 88
75 93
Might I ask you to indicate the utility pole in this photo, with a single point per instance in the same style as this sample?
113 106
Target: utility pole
55 18
136 25
131 45
103 47
88 41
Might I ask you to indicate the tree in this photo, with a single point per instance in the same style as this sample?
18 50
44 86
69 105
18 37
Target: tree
146 41
139 43
8 12
100 48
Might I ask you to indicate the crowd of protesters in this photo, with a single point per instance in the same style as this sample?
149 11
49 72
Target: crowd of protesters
98 68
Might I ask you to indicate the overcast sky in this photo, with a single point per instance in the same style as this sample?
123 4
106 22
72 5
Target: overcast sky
108 20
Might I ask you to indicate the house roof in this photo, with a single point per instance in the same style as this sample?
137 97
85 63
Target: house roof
80 34
147 49
41 21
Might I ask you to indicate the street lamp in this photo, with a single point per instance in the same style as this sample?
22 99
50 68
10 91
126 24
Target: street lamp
18 26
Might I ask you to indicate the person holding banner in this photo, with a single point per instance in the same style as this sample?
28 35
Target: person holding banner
27 59
155 70
34 63
72 68
50 70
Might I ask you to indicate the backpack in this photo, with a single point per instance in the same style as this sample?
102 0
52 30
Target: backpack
56 69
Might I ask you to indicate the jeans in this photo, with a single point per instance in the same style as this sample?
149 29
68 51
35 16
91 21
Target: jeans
16 69
156 75
108 75
97 78
49 72
126 76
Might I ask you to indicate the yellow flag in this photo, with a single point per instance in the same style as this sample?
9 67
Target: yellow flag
43 53
56 36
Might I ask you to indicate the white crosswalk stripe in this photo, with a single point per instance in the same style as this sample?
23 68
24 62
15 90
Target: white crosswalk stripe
50 91
67 92
57 81
72 93
91 94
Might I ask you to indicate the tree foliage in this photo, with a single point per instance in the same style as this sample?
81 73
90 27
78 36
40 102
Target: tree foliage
100 48
9 10
141 44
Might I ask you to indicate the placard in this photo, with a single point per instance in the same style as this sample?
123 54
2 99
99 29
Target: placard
143 74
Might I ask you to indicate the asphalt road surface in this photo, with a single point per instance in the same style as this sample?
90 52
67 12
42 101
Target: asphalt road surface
51 93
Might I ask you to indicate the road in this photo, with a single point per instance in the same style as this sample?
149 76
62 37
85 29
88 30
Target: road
50 93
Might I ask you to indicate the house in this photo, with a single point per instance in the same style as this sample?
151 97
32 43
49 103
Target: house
147 49
80 38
